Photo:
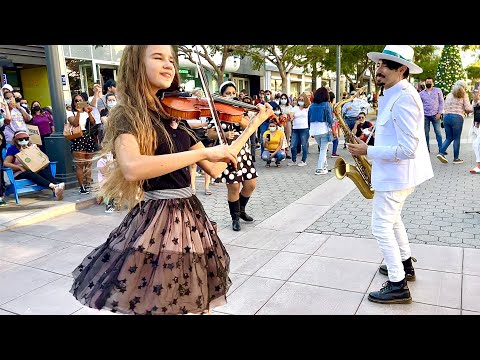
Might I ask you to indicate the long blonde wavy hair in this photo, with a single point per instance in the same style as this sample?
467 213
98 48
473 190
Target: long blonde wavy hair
139 113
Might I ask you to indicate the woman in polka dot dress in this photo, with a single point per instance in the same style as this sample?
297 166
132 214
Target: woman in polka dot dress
83 147
245 174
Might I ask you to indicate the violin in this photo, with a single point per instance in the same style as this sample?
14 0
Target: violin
185 106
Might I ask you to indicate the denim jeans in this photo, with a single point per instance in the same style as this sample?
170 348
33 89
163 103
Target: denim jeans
335 146
436 128
453 130
300 136
389 231
279 156
262 128
322 141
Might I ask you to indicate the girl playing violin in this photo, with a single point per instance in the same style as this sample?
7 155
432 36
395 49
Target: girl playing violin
165 257
245 172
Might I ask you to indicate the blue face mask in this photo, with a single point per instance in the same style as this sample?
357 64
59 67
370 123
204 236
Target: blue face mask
283 101
2 120
301 103
111 104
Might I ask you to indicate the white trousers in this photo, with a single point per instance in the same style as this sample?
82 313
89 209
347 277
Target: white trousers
476 148
389 231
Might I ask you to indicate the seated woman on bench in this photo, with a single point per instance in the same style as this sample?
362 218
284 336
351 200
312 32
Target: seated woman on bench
21 139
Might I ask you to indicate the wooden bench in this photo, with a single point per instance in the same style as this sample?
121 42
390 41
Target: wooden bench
23 186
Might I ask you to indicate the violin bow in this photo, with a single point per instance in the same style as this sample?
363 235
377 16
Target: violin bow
221 134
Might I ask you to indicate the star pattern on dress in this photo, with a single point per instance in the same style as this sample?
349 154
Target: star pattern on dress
80 267
157 289
141 248
164 309
164 231
152 241
171 266
194 228
133 269
187 249
210 254
217 288
114 303
91 285
155 264
175 241
175 279
169 257
177 220
185 275
143 284
106 257
202 235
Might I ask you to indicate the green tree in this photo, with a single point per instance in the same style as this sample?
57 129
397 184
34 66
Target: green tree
426 58
473 71
449 68
207 52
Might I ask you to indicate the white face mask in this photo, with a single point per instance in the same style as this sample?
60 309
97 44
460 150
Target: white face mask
301 103
283 101
272 128
23 142
267 97
111 104
2 120
276 112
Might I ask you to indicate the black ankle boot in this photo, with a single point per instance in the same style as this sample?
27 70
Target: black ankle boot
235 214
392 293
243 203
407 267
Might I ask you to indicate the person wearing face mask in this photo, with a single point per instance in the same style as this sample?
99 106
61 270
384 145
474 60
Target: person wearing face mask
432 98
42 177
4 118
24 104
111 102
241 182
287 110
19 117
44 121
273 142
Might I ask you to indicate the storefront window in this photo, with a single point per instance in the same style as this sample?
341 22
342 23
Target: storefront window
66 50
80 76
117 51
102 52
81 51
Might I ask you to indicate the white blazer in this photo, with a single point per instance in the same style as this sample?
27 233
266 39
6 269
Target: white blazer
400 158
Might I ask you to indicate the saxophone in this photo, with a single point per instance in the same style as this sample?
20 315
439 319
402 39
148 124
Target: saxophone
360 173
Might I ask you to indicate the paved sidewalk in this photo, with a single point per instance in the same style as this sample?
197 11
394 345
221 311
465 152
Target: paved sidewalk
275 268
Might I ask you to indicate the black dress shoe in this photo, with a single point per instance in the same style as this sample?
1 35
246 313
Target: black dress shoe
236 225
392 293
245 217
407 267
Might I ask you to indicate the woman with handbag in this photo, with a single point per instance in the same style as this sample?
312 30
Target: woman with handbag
21 140
83 146
320 122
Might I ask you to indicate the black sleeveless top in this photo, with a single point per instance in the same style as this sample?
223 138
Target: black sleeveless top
179 178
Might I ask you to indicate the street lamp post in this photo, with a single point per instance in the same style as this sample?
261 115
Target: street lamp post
58 148
339 55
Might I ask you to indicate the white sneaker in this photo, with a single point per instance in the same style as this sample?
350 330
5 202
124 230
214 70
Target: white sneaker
58 191
292 164
301 163
321 172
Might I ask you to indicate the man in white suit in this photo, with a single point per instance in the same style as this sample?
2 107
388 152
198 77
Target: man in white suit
400 162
